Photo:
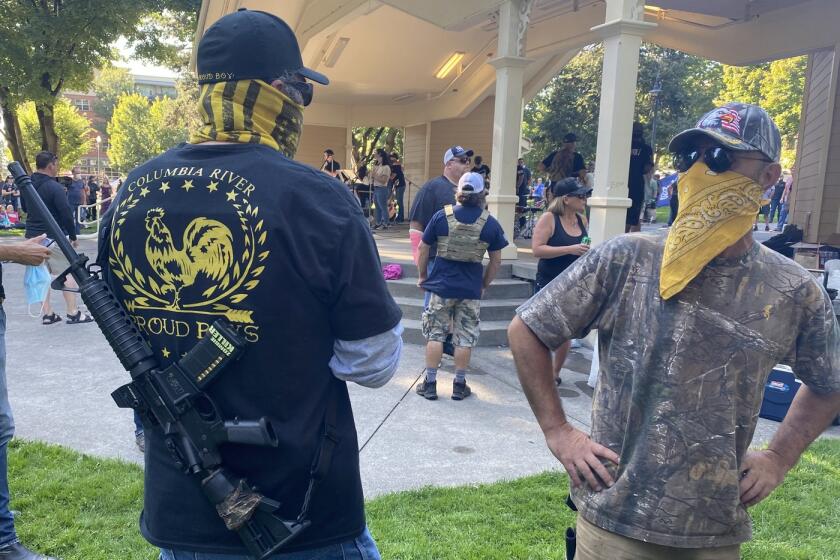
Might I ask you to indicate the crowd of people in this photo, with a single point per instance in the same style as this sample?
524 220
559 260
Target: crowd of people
690 320
378 187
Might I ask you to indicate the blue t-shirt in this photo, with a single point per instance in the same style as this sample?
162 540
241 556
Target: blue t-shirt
455 279
539 190
76 192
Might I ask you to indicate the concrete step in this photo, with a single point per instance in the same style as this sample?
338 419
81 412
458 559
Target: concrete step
501 288
493 333
409 269
491 309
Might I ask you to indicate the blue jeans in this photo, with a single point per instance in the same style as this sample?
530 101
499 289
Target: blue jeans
7 430
380 198
360 548
783 214
400 194
775 206
138 424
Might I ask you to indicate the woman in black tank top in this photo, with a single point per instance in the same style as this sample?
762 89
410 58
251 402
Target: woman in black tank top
558 241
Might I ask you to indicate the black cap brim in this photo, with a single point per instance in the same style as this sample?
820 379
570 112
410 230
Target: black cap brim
684 139
469 153
310 74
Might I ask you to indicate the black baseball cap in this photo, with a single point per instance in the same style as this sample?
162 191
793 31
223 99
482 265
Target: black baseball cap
736 126
250 45
568 187
570 137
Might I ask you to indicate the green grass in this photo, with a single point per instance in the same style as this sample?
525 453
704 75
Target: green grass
78 507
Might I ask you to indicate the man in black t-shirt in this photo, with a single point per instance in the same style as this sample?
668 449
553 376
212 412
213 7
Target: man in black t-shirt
230 226
330 166
433 196
481 168
641 162
565 162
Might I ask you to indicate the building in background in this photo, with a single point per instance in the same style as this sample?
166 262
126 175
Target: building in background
150 86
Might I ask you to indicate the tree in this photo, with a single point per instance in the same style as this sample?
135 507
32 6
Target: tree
53 44
109 85
131 132
140 130
776 86
71 127
571 101
366 140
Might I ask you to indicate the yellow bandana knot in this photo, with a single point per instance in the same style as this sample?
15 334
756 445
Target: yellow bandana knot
716 210
249 112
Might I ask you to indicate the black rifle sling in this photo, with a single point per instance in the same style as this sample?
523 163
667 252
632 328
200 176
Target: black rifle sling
323 459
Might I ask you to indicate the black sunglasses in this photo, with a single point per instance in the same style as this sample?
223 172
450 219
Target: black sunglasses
462 159
582 196
718 159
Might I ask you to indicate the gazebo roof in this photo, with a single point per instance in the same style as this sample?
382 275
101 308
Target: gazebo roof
384 58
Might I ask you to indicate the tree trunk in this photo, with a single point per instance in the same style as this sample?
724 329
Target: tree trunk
391 139
11 132
46 121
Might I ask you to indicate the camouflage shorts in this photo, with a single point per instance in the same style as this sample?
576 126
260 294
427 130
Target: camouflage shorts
458 315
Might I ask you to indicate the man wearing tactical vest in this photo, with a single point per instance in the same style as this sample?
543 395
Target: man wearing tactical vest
462 235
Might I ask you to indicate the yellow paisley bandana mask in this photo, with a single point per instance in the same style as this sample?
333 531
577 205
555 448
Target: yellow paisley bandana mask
716 210
250 112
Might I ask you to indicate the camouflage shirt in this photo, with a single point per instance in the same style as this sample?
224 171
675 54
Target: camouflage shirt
681 381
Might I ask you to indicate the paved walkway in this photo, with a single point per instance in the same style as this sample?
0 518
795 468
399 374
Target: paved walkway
60 378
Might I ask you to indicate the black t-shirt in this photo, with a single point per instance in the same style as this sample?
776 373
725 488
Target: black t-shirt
641 156
577 163
433 196
482 169
282 251
399 179
330 166
779 190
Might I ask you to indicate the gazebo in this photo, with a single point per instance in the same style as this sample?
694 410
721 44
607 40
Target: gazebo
459 72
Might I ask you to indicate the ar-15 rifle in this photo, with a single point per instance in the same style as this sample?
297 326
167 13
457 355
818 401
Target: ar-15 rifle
173 400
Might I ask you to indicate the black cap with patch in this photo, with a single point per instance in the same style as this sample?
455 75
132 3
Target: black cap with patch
737 126
250 45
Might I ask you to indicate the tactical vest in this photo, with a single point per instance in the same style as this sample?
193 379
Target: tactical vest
463 242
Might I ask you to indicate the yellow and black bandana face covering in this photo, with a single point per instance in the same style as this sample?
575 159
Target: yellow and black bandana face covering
249 111
716 210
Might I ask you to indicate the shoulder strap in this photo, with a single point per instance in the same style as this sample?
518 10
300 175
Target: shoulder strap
482 219
323 460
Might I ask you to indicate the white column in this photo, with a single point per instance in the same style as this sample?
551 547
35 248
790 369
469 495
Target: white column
507 115
622 34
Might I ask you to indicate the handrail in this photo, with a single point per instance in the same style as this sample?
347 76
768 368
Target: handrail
98 204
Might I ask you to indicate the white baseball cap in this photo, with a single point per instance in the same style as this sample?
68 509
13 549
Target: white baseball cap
471 183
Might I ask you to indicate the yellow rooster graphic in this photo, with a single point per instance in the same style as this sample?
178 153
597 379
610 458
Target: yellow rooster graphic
207 249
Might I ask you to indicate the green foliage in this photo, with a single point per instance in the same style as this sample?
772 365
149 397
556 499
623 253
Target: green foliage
165 37
73 129
140 130
109 85
777 86
571 101
131 132
78 507
366 140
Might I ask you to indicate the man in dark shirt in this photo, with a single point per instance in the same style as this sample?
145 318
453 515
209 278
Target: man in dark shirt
481 168
55 197
76 196
398 180
330 166
776 200
433 196
565 162
230 226
641 162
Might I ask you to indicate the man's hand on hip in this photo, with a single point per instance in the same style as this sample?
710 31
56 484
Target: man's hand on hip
763 472
581 456
29 252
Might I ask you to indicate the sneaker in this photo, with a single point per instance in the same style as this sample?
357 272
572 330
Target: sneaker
460 391
427 390
140 440
17 551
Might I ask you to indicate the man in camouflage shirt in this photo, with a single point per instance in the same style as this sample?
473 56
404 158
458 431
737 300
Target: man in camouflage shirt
691 321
